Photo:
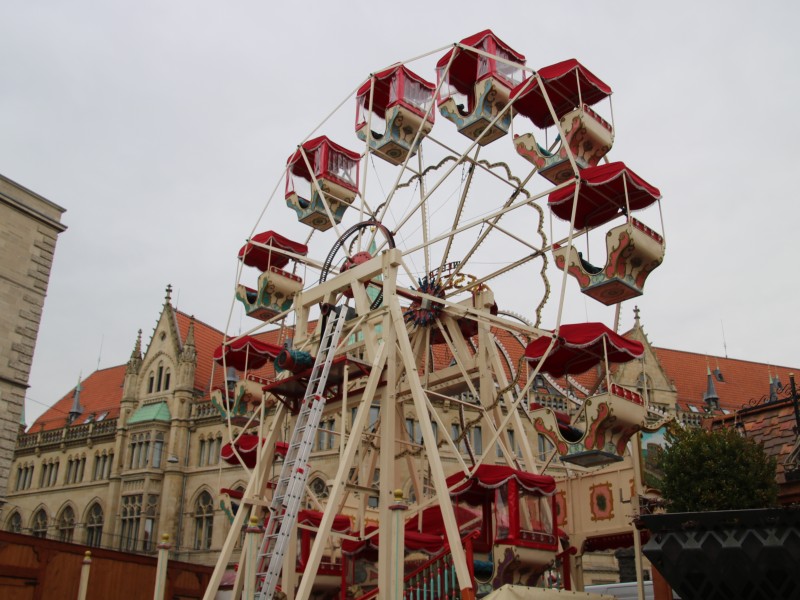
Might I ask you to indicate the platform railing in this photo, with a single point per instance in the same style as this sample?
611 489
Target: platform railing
436 578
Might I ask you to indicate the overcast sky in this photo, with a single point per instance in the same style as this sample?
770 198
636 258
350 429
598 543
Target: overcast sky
163 128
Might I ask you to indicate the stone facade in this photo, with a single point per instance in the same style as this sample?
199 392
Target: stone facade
140 459
29 227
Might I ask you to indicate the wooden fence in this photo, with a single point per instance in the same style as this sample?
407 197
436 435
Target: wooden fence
33 568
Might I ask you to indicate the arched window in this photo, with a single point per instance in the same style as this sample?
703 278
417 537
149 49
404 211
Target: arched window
203 521
39 524
151 381
107 464
213 449
201 455
145 450
94 526
129 516
98 466
14 524
158 449
159 375
66 524
166 379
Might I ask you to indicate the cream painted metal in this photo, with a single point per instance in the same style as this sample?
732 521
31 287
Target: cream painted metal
518 592
291 485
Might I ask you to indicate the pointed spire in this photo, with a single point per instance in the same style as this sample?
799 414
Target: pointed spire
190 333
76 410
135 361
710 397
189 352
773 386
137 347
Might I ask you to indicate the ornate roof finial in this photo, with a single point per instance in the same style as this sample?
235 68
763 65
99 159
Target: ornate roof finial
636 316
137 347
168 297
190 333
76 410
710 397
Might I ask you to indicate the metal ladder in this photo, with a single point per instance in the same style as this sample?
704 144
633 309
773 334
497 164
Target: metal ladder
291 484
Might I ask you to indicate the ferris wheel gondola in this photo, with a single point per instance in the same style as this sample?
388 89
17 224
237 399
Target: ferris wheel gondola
570 89
633 250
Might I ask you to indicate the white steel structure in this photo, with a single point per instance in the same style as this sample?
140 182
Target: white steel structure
431 236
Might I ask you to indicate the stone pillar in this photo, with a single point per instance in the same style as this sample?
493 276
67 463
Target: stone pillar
161 567
83 586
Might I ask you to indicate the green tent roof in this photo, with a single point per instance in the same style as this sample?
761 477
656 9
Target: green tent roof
151 412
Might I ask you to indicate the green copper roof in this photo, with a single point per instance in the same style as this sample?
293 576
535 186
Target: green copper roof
151 412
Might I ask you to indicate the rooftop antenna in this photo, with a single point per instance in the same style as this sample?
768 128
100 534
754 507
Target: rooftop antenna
100 352
724 343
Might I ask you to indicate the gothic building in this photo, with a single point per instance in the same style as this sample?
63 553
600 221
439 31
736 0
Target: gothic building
132 452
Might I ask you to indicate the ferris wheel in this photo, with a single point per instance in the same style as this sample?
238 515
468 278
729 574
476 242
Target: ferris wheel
381 320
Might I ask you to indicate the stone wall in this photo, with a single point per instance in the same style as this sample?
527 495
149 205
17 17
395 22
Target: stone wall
29 226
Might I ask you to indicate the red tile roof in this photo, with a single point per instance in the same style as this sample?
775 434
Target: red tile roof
773 426
101 392
743 380
206 340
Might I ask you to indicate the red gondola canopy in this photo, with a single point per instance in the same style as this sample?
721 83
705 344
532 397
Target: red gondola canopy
413 541
312 518
247 447
463 71
602 195
391 87
579 347
263 258
246 352
567 83
491 477
297 164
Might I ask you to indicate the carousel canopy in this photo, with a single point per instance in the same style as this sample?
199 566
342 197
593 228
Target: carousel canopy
432 522
390 87
263 258
247 447
491 477
464 70
312 518
414 542
567 83
580 347
602 195
298 166
246 352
